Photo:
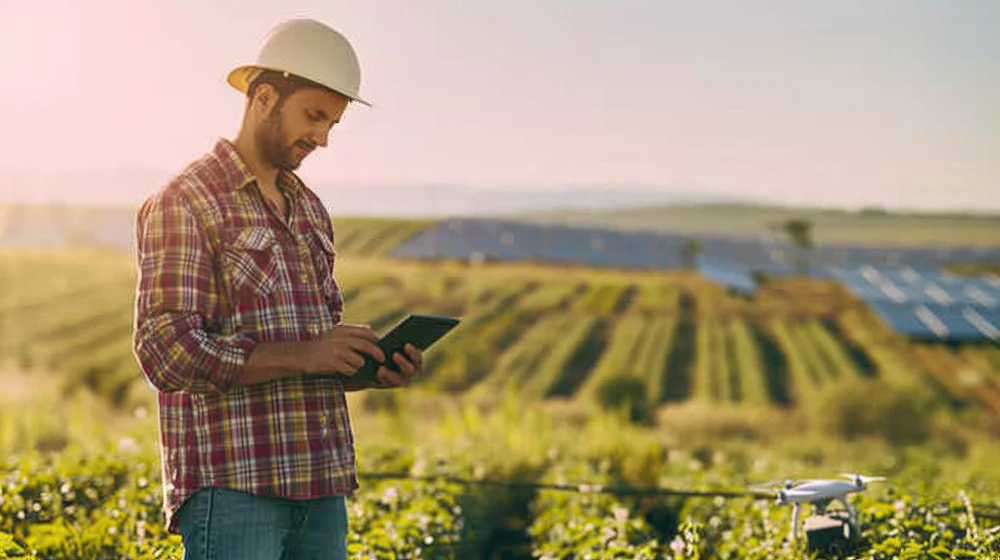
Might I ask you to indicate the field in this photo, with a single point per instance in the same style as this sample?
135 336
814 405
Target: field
541 332
557 375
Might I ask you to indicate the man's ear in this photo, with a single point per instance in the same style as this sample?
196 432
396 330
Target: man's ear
264 98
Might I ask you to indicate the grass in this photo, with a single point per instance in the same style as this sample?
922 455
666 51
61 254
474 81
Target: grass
112 458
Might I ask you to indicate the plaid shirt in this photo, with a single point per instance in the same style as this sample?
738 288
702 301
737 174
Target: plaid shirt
219 271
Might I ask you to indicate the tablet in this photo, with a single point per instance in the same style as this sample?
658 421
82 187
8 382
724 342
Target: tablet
423 331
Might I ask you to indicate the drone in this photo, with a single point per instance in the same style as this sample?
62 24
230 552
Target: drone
821 493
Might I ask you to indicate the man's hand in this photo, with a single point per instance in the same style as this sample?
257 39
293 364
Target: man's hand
342 350
410 366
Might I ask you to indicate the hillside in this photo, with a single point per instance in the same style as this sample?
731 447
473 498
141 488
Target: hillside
872 227
542 332
720 391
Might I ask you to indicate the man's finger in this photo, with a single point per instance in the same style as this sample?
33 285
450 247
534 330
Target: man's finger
363 332
368 347
345 368
374 351
354 361
388 377
405 366
353 331
416 356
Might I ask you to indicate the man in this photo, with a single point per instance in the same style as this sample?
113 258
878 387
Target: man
237 309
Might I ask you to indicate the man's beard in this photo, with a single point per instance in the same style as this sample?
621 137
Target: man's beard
269 141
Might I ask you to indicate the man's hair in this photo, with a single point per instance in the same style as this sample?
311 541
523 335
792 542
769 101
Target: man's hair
283 83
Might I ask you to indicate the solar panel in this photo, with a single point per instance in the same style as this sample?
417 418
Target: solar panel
911 276
937 294
933 322
988 328
733 277
902 319
960 322
977 295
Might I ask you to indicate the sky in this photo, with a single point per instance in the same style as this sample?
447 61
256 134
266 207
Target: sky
846 103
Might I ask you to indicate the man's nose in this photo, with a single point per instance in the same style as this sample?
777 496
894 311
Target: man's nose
322 137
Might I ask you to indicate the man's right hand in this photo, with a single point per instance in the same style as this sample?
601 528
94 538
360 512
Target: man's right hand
343 349
340 350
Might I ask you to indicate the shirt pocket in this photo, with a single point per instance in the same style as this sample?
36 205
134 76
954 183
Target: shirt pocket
324 257
250 258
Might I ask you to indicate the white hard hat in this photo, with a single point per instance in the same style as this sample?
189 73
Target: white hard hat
308 49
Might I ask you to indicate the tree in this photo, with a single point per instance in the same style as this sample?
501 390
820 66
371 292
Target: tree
800 233
692 248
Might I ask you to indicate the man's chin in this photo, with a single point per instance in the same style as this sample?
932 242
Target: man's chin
289 165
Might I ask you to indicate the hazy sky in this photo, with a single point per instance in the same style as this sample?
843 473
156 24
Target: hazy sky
840 102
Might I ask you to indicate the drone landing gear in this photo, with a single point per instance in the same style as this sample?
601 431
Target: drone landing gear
828 535
832 534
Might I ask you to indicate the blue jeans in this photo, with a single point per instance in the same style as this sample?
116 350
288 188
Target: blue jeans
221 524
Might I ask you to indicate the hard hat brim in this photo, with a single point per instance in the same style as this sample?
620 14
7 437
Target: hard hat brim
239 78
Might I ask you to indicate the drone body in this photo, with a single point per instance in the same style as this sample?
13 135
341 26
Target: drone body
823 491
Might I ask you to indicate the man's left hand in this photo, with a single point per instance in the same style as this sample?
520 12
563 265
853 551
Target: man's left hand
410 366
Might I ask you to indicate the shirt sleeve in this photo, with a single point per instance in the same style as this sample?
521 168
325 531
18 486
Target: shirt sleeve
175 294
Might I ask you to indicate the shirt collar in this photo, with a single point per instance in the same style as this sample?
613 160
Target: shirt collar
238 174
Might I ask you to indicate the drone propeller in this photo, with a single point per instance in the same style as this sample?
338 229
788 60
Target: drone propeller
773 485
862 480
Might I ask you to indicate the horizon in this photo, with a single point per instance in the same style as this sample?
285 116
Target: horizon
841 106
761 205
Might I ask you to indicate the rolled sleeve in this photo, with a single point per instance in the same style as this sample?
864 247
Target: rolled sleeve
175 295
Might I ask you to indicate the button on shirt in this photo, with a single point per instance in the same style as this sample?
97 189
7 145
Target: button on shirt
220 271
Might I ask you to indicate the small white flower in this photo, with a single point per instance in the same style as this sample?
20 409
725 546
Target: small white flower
390 494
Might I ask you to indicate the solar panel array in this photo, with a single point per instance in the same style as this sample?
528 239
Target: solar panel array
512 241
929 305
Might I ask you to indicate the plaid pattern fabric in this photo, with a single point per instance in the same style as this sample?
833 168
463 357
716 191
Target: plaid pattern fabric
220 271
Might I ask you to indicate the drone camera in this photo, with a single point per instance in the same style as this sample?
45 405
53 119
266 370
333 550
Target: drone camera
782 498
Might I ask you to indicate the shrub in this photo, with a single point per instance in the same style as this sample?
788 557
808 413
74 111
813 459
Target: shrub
9 548
626 394
873 408
381 401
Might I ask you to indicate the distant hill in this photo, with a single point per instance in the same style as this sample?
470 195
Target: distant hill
60 224
864 227
129 185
